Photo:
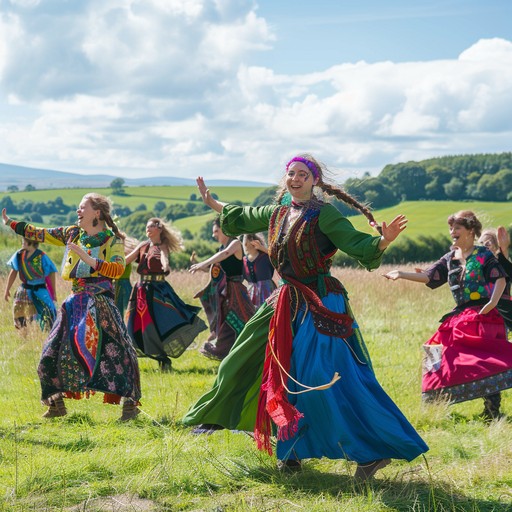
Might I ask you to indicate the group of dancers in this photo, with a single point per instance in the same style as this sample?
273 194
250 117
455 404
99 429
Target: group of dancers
293 362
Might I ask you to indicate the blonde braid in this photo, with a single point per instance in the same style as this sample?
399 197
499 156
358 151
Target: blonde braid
110 223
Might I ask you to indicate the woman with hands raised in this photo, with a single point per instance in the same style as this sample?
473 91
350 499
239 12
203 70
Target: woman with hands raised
469 356
88 349
300 365
225 299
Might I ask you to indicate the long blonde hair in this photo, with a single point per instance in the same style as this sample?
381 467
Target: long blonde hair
170 240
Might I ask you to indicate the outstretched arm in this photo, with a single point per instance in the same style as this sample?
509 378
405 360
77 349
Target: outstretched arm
208 200
418 277
133 255
233 247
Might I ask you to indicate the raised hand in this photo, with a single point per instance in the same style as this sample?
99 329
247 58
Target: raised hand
391 231
5 218
207 197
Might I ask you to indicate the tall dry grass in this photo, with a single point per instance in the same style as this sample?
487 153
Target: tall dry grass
88 461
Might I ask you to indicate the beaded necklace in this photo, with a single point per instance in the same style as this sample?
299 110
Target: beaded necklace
96 240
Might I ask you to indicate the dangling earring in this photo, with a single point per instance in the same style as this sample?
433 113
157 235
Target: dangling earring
95 221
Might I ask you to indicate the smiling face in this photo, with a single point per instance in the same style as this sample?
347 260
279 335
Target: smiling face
300 181
86 213
489 241
461 236
153 230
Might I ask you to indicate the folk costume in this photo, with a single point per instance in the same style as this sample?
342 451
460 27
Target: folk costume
300 365
258 273
160 324
33 298
88 348
227 306
123 289
469 355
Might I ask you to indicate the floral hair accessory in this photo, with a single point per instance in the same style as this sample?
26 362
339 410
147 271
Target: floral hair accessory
311 165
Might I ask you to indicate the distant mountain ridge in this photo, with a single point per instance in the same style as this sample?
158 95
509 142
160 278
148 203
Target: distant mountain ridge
15 175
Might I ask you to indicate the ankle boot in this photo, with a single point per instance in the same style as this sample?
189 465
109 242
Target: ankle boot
56 408
165 365
492 407
130 410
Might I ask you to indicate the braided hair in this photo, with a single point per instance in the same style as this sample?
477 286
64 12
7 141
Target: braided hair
330 190
103 204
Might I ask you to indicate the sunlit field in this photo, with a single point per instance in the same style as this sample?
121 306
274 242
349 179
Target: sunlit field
87 461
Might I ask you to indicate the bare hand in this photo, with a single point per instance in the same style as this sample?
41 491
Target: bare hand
393 275
204 190
503 239
196 267
5 218
7 295
391 231
77 249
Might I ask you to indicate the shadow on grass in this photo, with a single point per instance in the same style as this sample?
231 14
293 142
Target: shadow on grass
397 493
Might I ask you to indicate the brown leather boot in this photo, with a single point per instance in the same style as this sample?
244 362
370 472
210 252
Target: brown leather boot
130 410
56 408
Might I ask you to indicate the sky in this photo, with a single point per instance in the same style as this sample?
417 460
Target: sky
234 88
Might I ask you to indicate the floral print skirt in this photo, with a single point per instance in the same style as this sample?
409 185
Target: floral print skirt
89 349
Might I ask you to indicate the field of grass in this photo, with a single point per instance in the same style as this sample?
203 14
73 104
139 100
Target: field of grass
428 218
87 461
137 195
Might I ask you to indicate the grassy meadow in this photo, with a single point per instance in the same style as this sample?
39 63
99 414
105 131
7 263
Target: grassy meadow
134 196
87 461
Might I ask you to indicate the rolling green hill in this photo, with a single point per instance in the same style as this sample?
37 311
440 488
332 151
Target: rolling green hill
427 218
137 195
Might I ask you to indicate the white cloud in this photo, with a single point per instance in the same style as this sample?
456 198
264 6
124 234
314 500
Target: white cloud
129 86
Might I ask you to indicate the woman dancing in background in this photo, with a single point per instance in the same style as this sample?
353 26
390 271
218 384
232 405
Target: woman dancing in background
301 363
88 348
258 270
469 356
123 285
159 322
33 298
225 299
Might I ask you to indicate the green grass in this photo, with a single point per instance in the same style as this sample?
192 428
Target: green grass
87 461
137 195
429 218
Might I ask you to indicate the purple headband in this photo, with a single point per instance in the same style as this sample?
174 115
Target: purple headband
311 166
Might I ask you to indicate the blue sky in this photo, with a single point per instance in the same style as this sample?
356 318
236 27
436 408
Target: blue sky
234 88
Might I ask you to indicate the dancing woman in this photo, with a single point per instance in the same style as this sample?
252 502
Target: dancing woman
301 363
33 298
159 322
469 356
258 269
88 348
225 299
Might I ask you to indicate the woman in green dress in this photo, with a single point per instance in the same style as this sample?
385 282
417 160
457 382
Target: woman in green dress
300 366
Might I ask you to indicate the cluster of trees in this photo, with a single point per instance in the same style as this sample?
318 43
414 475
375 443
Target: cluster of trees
486 177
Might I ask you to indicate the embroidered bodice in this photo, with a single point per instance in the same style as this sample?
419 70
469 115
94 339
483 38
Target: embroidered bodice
473 281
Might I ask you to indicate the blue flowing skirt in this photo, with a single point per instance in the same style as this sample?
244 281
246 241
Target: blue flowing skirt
355 418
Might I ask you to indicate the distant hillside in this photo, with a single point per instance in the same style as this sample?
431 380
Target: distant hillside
14 175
